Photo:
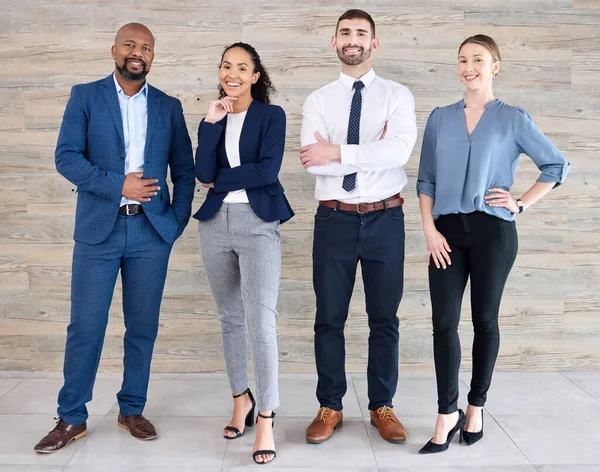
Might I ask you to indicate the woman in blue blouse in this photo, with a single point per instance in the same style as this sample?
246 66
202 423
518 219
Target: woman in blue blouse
240 150
468 163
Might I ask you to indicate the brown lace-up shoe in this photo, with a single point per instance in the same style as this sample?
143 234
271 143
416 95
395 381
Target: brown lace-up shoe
60 437
139 427
322 427
388 425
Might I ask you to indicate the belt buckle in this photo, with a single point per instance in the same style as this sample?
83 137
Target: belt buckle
127 210
358 209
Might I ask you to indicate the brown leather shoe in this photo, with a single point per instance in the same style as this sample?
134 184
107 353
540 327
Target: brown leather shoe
139 427
388 425
62 434
322 427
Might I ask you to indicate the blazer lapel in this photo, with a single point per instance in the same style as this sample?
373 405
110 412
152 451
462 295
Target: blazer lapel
248 132
153 111
222 153
109 92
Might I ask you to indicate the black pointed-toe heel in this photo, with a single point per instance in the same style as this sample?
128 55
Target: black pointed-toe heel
249 422
432 448
472 438
265 451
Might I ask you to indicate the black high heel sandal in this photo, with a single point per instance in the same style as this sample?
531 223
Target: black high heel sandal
249 422
432 448
263 451
471 438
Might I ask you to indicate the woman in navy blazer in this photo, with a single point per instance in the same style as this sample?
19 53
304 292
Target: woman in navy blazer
240 149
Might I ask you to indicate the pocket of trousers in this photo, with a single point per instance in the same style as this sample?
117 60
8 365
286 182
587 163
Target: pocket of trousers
396 213
324 213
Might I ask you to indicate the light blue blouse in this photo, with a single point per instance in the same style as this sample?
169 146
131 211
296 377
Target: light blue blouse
457 169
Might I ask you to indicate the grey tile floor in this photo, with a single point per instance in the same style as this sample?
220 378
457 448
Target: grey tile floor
546 422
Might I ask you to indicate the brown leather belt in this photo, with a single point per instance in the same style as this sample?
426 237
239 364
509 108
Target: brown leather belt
392 202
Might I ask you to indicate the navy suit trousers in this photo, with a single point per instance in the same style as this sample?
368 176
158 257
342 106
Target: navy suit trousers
341 240
137 250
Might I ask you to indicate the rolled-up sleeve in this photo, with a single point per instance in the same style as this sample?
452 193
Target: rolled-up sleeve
427 161
542 151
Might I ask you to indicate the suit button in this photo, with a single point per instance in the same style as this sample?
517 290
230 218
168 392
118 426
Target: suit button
123 156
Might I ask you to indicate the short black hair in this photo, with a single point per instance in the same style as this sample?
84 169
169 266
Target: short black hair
354 14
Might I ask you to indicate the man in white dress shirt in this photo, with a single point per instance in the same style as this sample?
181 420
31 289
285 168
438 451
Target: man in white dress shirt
357 133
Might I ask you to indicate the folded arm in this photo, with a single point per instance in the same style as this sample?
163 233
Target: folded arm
266 170
395 149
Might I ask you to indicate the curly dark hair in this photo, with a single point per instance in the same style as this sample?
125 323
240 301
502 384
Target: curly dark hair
263 87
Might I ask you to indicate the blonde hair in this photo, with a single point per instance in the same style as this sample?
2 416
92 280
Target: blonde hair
486 42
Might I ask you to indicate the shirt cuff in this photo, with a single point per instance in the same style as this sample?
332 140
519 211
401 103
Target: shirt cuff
555 173
426 188
348 154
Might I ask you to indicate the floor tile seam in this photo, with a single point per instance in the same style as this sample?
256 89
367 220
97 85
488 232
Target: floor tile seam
6 393
224 456
364 423
510 437
87 436
580 387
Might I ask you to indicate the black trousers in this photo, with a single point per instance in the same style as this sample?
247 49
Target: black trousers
484 248
341 240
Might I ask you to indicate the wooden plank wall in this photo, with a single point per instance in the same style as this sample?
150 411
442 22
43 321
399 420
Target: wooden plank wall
551 67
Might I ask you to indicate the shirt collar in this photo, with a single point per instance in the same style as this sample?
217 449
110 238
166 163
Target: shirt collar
492 104
144 89
366 79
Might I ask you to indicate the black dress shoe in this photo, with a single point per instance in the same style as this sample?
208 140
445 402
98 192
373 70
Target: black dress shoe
472 438
60 437
432 448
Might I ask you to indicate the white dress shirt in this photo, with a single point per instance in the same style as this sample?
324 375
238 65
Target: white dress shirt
233 131
378 163
134 113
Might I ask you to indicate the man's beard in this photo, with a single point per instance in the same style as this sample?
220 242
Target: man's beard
354 60
130 75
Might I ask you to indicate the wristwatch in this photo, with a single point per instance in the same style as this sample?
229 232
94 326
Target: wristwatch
520 205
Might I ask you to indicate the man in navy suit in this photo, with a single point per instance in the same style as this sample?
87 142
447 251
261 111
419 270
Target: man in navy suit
117 138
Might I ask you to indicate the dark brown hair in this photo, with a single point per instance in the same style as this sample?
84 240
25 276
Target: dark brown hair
263 88
354 14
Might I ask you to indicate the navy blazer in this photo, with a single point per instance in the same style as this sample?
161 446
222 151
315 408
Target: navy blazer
262 142
90 153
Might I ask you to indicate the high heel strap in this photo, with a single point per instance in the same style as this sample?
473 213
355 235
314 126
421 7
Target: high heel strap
247 391
267 417
265 452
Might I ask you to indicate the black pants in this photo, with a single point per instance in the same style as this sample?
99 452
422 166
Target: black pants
341 240
484 247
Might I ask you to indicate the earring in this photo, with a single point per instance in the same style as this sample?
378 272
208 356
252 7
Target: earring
494 76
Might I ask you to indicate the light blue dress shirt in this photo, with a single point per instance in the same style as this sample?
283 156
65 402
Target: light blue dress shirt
134 113
457 169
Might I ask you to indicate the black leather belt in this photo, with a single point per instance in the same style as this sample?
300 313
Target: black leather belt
131 209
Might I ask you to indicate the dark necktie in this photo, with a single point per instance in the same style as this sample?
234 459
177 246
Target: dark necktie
354 130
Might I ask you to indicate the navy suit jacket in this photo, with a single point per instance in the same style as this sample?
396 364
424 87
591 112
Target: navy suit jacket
262 142
90 153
